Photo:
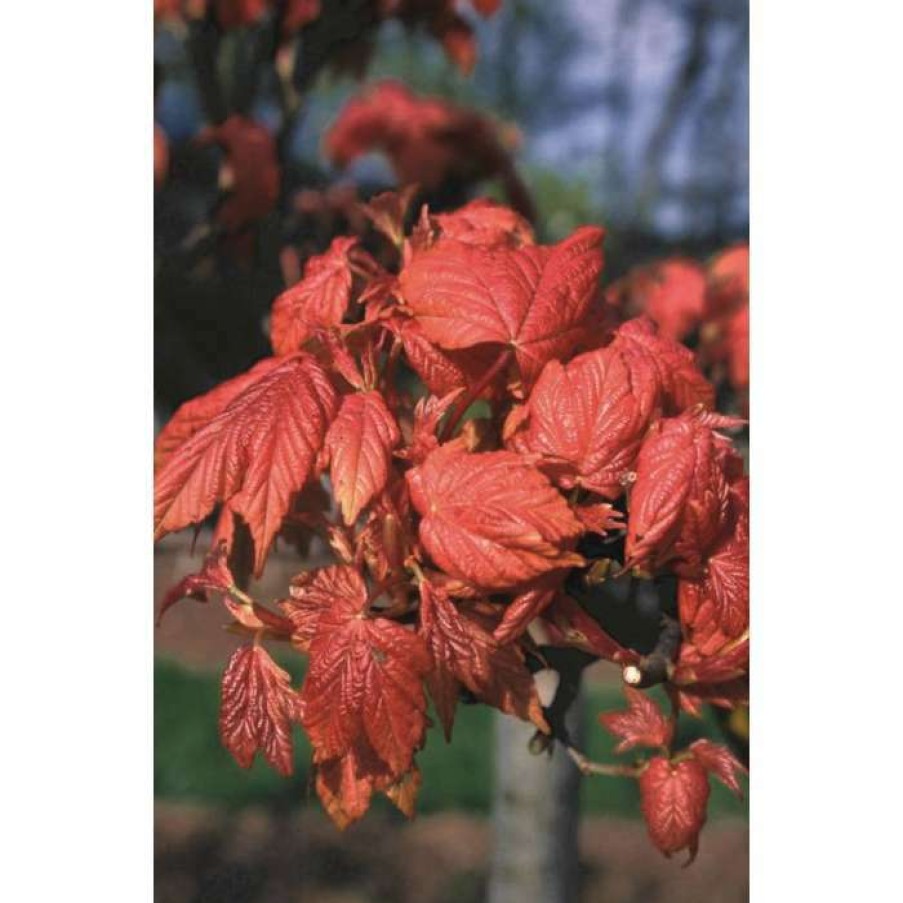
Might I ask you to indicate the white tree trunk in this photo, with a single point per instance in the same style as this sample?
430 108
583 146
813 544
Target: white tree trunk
535 812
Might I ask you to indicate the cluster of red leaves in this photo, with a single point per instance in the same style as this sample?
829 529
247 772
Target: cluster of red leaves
687 299
441 19
674 788
429 142
456 530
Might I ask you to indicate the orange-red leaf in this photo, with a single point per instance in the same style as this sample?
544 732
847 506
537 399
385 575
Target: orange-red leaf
672 293
491 519
320 299
465 652
534 299
679 502
364 681
642 724
674 797
485 224
715 607
255 454
719 761
198 412
682 383
588 417
359 445
257 709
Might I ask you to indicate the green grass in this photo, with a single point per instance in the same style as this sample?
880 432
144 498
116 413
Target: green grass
190 763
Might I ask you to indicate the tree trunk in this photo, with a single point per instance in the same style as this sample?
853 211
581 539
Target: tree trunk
535 812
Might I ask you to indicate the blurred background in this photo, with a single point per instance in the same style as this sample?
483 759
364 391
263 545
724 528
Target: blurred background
628 113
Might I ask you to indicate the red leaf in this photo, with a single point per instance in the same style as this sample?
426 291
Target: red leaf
485 224
255 454
642 724
599 517
528 605
442 372
364 681
590 415
213 576
567 624
198 412
715 607
729 280
674 797
719 761
359 445
320 299
679 502
313 592
257 710
465 652
251 173
534 299
387 212
671 292
491 519
683 385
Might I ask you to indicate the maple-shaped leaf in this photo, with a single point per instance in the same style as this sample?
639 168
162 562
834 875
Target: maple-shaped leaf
642 724
364 681
588 417
319 300
673 798
198 412
720 762
359 445
491 519
465 653
257 709
255 454
313 592
682 383
534 299
679 501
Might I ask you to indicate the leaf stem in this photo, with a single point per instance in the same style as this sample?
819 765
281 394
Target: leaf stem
587 766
